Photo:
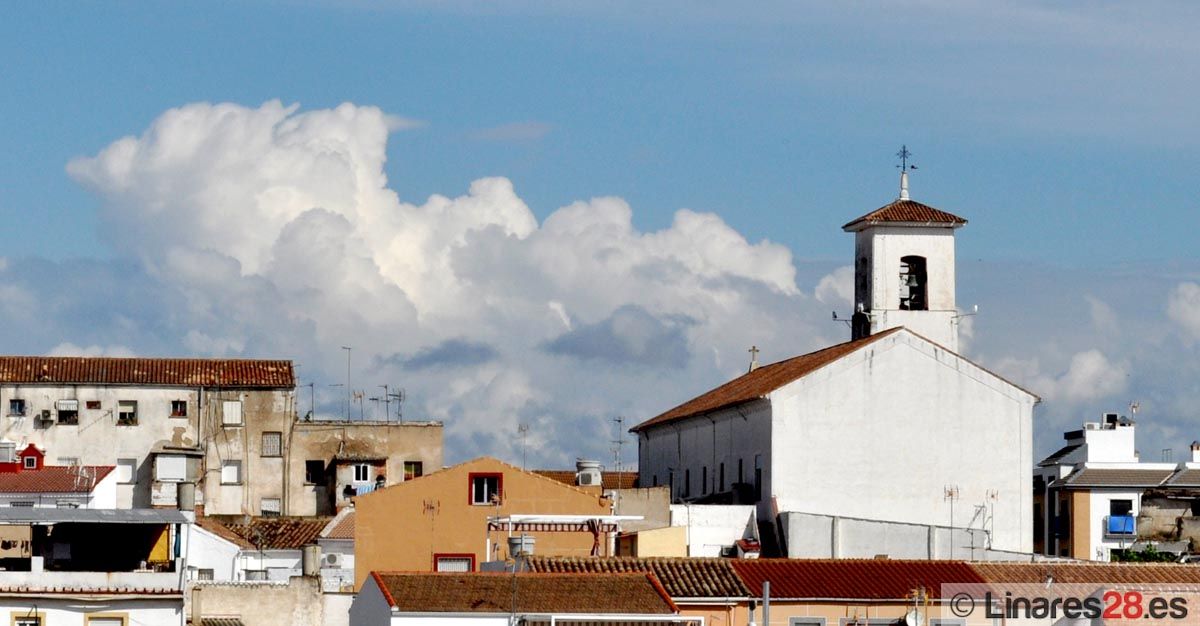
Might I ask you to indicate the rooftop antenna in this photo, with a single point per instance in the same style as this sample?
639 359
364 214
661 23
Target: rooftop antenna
523 430
904 154
753 358
951 494
399 396
387 404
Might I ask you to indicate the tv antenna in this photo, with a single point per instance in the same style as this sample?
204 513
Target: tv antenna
399 396
523 430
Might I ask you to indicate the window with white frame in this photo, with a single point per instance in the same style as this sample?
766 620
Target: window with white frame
68 412
454 563
272 443
231 413
231 473
126 470
30 462
270 507
127 413
362 472
485 488
179 408
204 573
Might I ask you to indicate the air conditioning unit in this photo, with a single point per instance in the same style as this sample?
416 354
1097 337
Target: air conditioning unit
586 479
333 560
45 416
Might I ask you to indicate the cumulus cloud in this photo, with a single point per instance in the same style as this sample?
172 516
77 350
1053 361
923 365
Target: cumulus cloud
272 231
70 349
1183 308
837 288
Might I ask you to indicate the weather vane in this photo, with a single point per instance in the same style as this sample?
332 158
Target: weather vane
904 154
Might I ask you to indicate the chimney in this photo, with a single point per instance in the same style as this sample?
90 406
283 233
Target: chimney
587 473
1196 452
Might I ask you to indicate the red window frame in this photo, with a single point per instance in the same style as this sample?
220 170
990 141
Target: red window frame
453 555
471 486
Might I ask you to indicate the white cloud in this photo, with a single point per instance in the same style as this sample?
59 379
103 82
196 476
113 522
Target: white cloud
837 288
275 233
1104 317
1183 307
70 349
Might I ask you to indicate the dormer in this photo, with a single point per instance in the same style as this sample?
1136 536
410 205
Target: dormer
31 458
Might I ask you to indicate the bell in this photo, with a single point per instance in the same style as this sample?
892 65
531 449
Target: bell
911 281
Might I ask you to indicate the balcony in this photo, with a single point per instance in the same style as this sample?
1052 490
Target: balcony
153 582
1120 527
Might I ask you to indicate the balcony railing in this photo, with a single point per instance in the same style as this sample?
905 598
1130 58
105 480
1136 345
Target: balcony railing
1120 526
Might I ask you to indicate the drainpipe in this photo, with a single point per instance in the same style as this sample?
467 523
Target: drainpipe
766 612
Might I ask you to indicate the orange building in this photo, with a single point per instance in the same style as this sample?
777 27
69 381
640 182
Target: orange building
460 517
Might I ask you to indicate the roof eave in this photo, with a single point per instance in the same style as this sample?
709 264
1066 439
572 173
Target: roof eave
863 224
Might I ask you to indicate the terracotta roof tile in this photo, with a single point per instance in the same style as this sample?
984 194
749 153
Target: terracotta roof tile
221 530
1089 573
344 528
861 579
55 479
608 480
681 577
280 533
906 211
485 592
761 381
245 373
1103 477
220 621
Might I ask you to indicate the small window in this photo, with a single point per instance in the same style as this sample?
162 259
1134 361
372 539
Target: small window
170 468
454 562
703 479
16 406
1120 507
269 507
687 483
362 473
68 412
231 413
28 619
721 475
22 504
179 408
314 472
127 413
93 405
256 574
204 574
30 462
8 451
413 469
126 471
758 477
485 488
272 443
231 473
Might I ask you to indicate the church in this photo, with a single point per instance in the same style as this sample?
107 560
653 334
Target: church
889 444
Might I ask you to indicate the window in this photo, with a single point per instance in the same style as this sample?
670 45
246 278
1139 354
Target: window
758 477
93 405
655 480
413 469
8 451
256 574
362 473
30 462
314 472
68 412
912 284
16 406
105 620
170 468
272 444
687 483
721 475
29 618
486 488
454 562
22 504
703 479
204 574
231 473
741 475
179 408
1120 507
269 507
127 413
126 471
231 413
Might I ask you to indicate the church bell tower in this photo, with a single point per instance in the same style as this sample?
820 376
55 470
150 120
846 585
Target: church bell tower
904 268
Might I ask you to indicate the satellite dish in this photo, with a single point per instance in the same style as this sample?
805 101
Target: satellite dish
914 618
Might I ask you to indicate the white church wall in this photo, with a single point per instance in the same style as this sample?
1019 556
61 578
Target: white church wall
883 247
687 447
880 435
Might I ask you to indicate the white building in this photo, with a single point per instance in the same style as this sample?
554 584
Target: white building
26 481
891 443
92 567
1088 495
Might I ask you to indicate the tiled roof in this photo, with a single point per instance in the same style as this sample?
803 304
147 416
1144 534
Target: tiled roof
1088 573
249 373
221 530
485 592
1185 478
1102 477
608 480
681 577
761 381
907 211
280 533
55 479
1053 459
861 579
343 527
220 621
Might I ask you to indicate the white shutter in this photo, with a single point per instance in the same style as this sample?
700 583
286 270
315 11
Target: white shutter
67 405
231 410
125 470
171 468
231 472
453 564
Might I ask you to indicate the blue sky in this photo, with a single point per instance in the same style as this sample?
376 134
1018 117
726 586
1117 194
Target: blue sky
1067 136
